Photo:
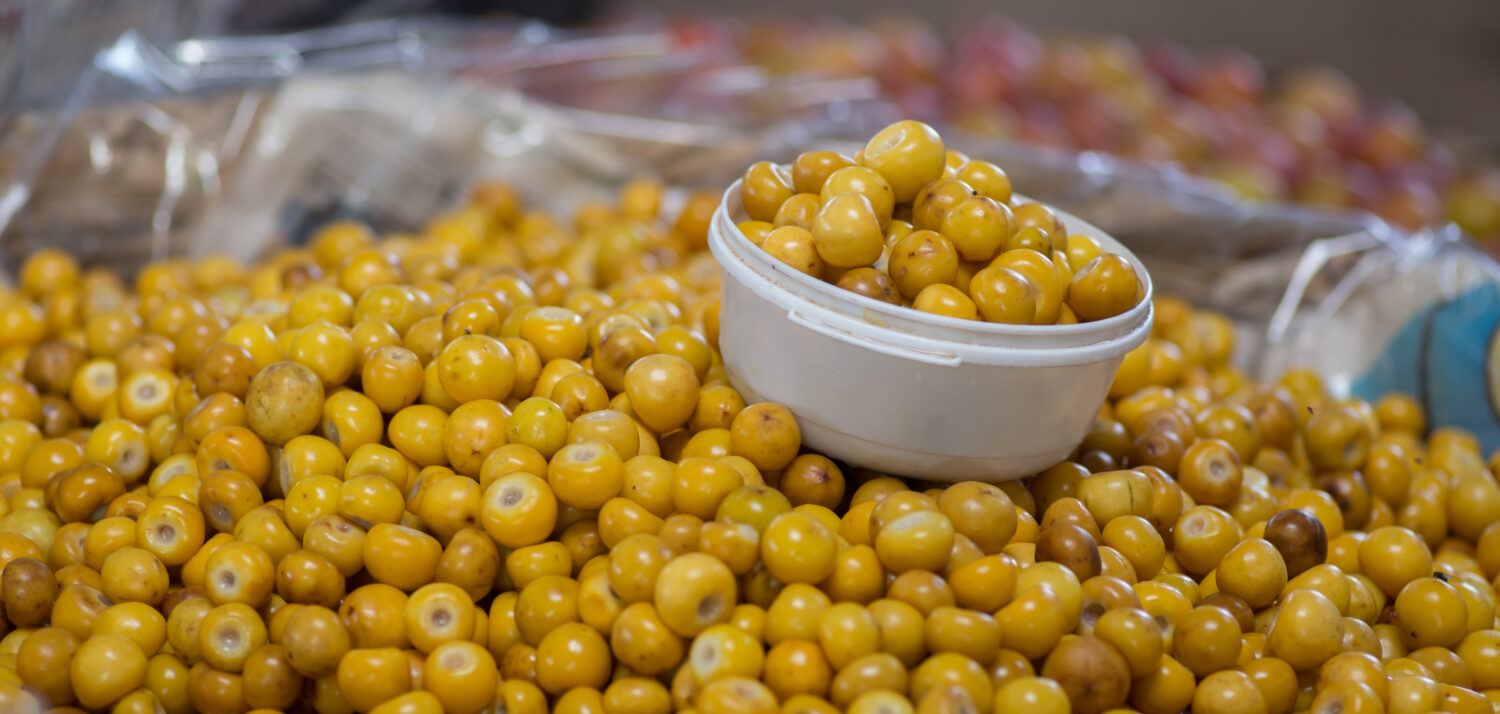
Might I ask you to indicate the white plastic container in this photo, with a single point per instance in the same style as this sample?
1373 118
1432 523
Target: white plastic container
909 393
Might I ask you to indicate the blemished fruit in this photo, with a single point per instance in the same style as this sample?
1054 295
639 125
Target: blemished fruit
462 524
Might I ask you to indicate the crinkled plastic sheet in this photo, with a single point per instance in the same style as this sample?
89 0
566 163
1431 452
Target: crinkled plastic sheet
1422 318
48 44
235 145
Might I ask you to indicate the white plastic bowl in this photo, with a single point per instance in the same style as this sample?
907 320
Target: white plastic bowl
903 392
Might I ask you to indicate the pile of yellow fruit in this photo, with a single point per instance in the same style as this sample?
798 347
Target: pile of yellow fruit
909 222
498 467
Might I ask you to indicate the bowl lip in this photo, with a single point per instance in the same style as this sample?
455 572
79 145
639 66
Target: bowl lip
1115 327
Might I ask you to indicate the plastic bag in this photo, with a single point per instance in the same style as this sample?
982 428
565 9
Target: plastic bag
1421 317
235 144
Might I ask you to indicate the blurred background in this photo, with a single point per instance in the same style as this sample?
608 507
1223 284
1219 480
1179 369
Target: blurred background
1443 58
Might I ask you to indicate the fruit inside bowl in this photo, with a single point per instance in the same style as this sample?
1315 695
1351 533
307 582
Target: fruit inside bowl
908 376
907 222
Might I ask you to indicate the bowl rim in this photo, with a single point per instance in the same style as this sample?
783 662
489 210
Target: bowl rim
730 206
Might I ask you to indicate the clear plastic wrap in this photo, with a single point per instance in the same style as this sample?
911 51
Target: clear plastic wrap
1421 317
235 145
49 44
